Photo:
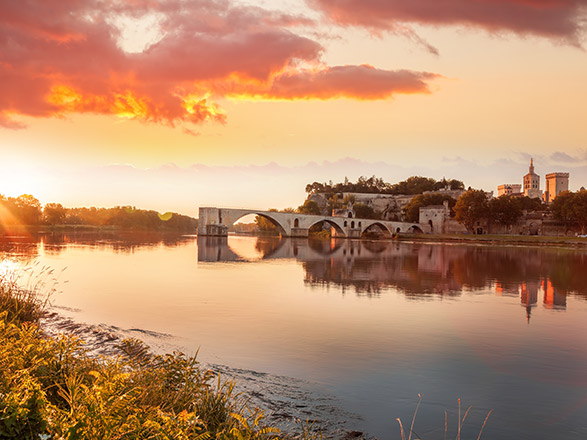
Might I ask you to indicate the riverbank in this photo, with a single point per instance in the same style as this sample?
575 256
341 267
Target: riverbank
502 240
72 380
51 387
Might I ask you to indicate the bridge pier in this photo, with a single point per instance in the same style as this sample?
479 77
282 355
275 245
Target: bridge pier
216 231
299 232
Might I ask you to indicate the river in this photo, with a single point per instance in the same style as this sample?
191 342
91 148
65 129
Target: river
346 332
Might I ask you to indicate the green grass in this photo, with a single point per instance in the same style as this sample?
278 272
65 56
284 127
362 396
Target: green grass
538 240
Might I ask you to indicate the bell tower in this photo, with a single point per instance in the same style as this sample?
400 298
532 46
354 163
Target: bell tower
532 182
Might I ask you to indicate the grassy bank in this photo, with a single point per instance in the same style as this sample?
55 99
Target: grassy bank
51 387
532 240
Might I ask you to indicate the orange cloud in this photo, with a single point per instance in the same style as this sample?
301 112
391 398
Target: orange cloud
558 19
357 82
64 57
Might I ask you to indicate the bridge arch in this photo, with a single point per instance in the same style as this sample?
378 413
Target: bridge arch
266 215
377 226
415 229
336 226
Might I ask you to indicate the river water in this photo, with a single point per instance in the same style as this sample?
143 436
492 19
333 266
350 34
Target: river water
347 332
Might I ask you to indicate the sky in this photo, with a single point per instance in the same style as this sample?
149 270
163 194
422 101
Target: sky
174 104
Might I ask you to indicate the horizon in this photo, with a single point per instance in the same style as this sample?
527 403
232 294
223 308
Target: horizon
174 105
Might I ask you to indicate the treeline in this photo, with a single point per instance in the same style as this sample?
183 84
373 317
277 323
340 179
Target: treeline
376 185
27 210
504 210
569 208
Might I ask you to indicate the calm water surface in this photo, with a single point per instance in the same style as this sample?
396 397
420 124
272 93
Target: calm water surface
370 325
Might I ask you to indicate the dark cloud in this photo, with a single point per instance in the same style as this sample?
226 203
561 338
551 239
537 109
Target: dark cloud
557 19
561 156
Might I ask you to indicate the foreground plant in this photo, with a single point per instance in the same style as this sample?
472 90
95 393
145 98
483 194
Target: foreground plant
52 388
25 293
461 422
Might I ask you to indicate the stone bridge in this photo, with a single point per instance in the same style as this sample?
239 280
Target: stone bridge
216 221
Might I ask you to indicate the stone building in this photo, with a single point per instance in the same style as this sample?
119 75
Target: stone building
532 183
555 184
509 189
439 219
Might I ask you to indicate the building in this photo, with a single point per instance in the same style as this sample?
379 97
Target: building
532 183
555 184
509 189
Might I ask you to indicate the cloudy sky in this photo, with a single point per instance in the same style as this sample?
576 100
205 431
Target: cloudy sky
175 104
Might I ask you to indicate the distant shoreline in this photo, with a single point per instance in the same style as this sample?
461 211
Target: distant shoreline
490 239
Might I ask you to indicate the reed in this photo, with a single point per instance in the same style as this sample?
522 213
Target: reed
460 422
25 293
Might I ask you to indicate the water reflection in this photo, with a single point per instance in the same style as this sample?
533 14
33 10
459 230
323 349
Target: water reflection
29 246
422 270
275 307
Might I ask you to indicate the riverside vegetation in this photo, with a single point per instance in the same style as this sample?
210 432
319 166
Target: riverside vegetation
26 210
52 388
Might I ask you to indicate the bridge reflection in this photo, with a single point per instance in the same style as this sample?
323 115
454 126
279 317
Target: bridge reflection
422 270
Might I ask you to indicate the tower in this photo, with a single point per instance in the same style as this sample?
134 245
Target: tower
532 183
555 184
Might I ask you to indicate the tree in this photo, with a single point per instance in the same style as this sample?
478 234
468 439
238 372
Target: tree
265 226
28 209
571 208
505 209
54 213
531 204
309 207
412 209
365 211
471 207
580 209
414 185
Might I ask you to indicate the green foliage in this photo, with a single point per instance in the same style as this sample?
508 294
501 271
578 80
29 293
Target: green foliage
471 207
22 210
531 204
309 207
25 294
26 210
375 185
571 208
365 211
505 209
266 226
412 209
51 387
54 213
